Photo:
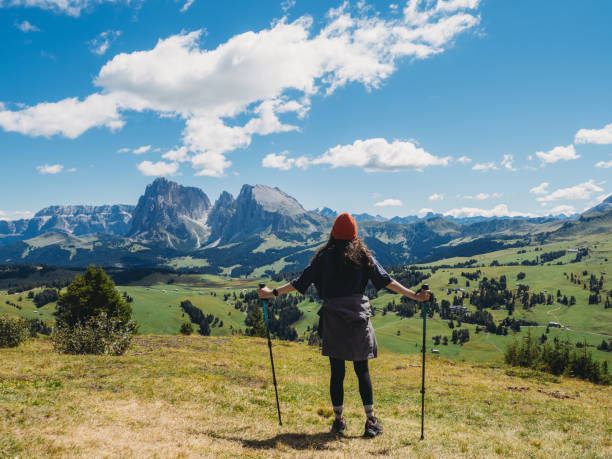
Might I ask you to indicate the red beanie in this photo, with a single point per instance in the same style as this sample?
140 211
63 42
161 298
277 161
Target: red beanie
344 228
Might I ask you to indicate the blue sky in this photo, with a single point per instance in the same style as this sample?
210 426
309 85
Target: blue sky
463 107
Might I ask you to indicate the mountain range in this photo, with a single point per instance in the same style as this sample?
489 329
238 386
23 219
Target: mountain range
262 230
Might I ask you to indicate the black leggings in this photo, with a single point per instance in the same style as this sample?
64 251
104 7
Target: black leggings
336 382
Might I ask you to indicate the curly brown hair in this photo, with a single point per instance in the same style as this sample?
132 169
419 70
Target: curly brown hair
348 256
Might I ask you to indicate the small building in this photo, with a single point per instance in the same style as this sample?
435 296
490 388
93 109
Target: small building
554 324
435 351
459 310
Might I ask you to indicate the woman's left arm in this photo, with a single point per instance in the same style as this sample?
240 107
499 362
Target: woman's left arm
266 292
399 288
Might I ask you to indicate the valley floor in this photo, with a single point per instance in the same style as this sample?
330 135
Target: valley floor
174 396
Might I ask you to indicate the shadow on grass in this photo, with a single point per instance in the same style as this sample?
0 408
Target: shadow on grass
298 441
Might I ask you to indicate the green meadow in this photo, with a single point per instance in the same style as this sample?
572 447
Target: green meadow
157 298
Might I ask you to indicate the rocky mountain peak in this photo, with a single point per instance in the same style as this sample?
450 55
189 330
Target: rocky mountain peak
260 209
271 199
172 212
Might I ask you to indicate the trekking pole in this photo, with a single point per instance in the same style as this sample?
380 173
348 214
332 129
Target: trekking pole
423 287
265 308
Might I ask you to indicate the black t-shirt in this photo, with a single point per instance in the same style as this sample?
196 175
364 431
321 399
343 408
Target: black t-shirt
321 272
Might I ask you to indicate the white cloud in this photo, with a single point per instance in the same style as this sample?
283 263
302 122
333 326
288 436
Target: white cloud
276 162
283 162
464 160
389 203
26 26
452 5
424 211
210 164
598 136
71 170
286 5
562 209
485 167
542 188
484 196
375 155
507 162
141 150
159 168
179 154
604 164
558 154
187 5
500 210
50 169
102 42
69 7
257 75
15 214
581 191
436 197
68 117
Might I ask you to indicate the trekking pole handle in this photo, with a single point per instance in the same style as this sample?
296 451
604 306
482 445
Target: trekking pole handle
264 302
423 287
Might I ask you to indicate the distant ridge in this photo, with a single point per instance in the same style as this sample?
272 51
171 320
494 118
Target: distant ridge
261 230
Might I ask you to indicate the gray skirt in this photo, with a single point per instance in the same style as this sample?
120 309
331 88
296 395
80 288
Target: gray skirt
346 329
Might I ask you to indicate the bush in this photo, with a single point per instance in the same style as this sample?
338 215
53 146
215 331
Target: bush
186 328
13 332
39 326
98 335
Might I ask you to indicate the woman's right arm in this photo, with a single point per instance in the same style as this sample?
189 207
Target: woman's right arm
396 287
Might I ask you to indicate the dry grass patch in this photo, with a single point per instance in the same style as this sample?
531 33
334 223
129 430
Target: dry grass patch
175 396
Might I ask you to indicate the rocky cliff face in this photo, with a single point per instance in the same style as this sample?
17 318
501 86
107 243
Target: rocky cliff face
220 216
76 220
260 209
173 214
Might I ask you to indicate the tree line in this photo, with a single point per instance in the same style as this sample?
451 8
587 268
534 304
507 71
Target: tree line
558 358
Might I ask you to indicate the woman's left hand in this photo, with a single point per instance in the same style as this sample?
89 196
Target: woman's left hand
265 293
423 296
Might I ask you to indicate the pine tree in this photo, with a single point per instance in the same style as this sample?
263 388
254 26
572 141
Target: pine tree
204 328
255 320
89 295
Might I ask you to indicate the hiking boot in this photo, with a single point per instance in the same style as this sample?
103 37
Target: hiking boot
372 428
339 426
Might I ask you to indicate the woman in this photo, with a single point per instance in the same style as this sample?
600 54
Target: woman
340 271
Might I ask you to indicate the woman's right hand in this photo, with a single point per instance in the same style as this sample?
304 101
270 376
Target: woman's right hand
422 296
265 293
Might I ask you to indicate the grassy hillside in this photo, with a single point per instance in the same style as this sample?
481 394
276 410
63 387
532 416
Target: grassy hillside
28 309
157 298
173 396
